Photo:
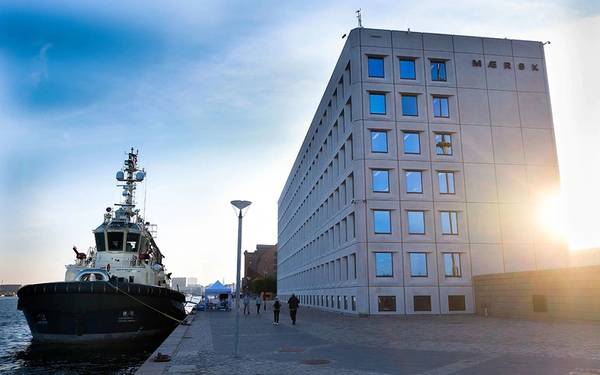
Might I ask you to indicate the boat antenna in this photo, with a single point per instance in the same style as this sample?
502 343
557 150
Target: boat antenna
359 17
145 190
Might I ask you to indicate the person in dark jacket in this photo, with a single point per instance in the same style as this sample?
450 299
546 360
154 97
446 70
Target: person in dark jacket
276 310
293 303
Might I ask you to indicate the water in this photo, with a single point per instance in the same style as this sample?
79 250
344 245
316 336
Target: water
18 355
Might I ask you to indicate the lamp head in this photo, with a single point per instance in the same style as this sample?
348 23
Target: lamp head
240 205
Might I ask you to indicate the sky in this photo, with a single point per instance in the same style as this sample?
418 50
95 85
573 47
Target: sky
217 98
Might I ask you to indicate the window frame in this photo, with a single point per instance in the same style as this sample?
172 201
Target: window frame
412 274
452 221
444 137
411 60
416 106
379 304
387 145
420 172
391 264
439 77
377 94
408 229
389 216
447 182
387 173
418 135
456 264
440 99
375 57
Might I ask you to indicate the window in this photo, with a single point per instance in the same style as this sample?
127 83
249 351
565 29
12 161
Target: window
382 221
380 180
345 302
456 303
414 182
452 265
418 264
422 303
379 141
440 106
377 104
416 222
376 67
412 143
338 301
449 221
386 303
100 244
353 300
384 265
443 144
409 105
446 182
438 70
407 69
115 241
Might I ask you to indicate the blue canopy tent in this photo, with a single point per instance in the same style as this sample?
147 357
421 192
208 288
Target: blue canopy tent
221 293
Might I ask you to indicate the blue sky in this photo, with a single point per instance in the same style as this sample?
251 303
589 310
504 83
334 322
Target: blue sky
217 96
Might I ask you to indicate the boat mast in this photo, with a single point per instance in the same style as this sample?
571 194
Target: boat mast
130 174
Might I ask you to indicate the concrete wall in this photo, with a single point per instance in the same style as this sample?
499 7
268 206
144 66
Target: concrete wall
570 293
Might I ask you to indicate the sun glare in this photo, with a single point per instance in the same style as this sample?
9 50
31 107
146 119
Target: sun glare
551 215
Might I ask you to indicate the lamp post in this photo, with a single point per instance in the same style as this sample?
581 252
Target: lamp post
240 205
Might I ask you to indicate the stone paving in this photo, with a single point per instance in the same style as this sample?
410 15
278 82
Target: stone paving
331 343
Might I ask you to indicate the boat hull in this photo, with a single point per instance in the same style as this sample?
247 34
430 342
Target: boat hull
98 311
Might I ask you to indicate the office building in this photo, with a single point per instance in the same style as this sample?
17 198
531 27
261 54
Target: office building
423 166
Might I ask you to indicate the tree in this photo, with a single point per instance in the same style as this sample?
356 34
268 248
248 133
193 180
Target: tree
264 284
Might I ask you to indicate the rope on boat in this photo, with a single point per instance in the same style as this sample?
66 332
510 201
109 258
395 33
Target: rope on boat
145 304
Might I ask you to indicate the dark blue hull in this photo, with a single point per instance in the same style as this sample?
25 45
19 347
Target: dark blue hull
97 311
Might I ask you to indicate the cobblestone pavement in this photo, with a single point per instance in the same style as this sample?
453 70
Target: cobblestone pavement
330 343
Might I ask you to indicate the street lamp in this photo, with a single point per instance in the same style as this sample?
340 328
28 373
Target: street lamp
240 205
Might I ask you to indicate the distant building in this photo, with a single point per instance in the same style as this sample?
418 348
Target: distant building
178 283
191 281
260 263
9 289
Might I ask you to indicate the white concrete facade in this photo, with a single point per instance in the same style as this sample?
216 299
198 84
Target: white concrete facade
492 110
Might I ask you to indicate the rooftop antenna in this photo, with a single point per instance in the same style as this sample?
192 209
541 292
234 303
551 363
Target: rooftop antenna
359 17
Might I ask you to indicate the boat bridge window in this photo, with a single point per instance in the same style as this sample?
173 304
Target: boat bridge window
132 242
100 244
115 241
92 277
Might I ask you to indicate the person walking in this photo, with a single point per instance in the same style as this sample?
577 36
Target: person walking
246 304
293 304
276 310
258 302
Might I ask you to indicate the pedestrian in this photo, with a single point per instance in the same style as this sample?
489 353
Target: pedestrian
276 309
293 303
246 304
264 302
258 302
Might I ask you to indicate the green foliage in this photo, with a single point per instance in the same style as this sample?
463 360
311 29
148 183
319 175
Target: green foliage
264 284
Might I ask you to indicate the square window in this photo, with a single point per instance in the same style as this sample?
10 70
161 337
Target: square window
438 70
379 141
380 180
440 106
416 222
386 303
456 303
446 182
376 69
452 265
384 265
418 264
443 144
412 143
422 303
409 105
377 104
407 69
414 182
449 221
382 221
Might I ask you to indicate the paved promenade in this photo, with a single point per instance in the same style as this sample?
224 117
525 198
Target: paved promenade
329 343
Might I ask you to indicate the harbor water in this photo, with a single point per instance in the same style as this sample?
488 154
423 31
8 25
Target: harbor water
18 355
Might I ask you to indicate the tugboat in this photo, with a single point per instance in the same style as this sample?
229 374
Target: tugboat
118 290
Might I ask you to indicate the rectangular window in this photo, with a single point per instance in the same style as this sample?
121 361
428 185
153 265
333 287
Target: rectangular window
443 144
409 105
379 141
446 182
456 303
384 265
414 182
386 303
353 299
407 69
440 106
376 67
449 221
422 303
412 143
452 265
438 70
338 302
345 302
382 221
377 103
416 222
418 264
380 180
